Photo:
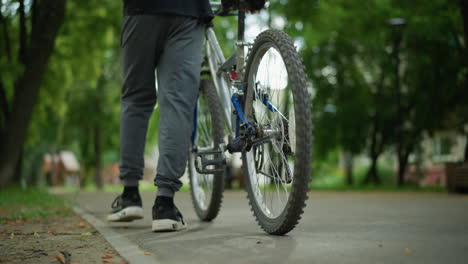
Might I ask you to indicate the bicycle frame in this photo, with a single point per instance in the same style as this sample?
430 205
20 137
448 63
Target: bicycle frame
221 81
229 85
229 89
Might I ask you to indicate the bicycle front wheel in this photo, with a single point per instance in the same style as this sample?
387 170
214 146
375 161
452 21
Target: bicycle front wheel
276 99
206 189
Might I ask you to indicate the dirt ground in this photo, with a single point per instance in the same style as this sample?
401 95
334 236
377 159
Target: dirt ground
40 242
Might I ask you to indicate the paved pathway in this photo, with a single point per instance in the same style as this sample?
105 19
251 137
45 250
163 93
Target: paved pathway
336 228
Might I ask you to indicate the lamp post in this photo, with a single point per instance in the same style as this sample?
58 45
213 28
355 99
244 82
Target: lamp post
396 25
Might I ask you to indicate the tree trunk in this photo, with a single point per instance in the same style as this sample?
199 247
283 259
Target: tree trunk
54 177
466 149
464 13
97 158
19 168
402 164
6 35
22 33
372 174
348 167
43 35
4 110
86 152
97 133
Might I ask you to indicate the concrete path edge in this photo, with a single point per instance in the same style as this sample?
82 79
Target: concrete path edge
128 250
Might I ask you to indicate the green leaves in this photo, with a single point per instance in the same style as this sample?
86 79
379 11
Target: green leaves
349 56
81 86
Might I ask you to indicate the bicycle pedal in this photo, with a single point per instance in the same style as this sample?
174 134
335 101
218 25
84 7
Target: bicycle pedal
209 157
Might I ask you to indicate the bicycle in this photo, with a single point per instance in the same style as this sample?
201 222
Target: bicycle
259 97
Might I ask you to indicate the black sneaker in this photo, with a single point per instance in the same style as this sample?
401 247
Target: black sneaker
166 216
126 209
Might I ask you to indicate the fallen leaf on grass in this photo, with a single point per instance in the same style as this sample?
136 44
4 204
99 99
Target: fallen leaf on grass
82 224
148 253
63 257
36 234
12 235
59 256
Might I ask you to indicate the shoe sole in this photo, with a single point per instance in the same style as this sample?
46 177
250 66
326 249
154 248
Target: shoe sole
167 225
126 215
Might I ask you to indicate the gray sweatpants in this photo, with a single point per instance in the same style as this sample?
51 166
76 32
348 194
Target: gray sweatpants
172 45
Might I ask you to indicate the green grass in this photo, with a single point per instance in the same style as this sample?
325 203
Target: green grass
116 188
29 204
330 178
378 188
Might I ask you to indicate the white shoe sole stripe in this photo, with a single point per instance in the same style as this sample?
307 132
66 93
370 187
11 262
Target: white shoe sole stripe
128 214
167 225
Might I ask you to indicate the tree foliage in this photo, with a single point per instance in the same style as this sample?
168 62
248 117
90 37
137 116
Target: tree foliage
375 88
370 94
81 83
24 66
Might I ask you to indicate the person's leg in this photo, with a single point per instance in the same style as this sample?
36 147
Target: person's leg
138 93
178 82
141 44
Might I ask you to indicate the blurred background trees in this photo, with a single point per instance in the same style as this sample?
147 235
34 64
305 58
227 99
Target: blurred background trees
72 103
28 37
381 87
380 90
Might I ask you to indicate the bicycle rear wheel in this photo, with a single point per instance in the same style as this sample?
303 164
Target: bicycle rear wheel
206 189
276 99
